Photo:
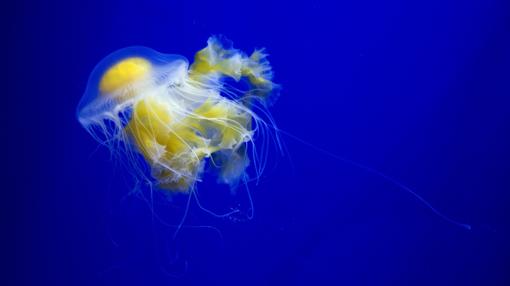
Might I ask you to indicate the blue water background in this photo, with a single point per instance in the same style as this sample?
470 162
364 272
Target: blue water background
417 90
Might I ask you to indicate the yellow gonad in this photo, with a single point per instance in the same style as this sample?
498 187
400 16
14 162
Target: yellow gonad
164 119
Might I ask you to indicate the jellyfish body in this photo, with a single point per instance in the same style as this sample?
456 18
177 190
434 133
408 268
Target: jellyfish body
166 119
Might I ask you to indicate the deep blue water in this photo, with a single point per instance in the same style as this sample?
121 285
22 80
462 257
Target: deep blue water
417 90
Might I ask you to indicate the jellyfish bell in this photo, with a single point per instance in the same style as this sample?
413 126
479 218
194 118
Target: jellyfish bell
121 76
160 114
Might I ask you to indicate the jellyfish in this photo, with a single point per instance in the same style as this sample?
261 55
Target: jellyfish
166 119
